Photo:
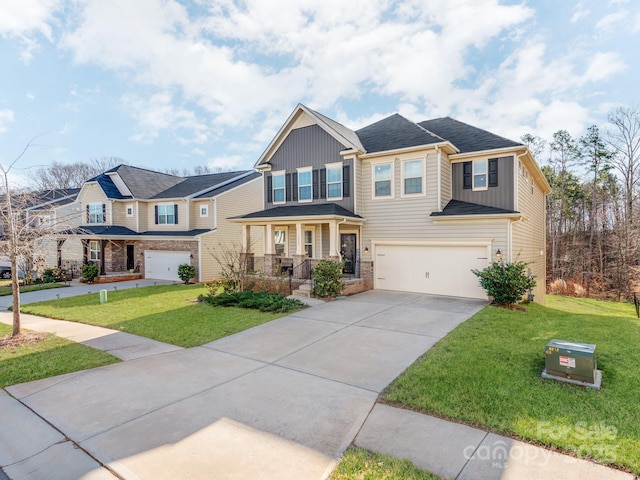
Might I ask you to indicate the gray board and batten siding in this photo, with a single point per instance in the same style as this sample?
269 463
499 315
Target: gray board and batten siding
501 196
309 147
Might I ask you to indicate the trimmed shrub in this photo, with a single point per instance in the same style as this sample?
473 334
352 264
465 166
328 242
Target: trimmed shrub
265 302
186 272
89 273
505 282
328 278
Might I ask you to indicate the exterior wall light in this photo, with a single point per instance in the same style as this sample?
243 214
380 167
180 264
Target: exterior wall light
498 254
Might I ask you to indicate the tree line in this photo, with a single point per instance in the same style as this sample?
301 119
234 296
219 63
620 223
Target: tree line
593 224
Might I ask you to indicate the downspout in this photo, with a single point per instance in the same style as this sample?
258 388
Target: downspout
510 236
439 177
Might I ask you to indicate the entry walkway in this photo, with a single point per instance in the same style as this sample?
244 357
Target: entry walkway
281 400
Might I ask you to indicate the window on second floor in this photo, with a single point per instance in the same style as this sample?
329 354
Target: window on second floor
413 177
382 180
278 187
334 181
480 174
96 213
204 210
129 210
166 214
305 185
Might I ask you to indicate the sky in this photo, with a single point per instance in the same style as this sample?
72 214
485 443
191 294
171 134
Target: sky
165 84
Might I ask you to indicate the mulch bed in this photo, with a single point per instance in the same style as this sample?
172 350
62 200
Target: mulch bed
23 338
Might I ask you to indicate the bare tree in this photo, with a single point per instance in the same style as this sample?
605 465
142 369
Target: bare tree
60 175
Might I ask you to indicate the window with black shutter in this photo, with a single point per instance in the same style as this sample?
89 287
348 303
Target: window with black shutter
467 175
493 172
345 181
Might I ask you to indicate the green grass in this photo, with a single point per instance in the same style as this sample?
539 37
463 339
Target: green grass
53 356
167 313
361 464
6 290
487 373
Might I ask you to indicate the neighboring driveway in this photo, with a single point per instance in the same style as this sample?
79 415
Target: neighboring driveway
281 400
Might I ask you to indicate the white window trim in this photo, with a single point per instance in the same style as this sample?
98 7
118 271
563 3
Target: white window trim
126 210
204 211
284 187
339 166
373 180
99 205
298 172
473 175
97 250
285 253
424 178
313 240
172 205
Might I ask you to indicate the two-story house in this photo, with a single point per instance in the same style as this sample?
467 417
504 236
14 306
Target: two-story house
147 222
409 206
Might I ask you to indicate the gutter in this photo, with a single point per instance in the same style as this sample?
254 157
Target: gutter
227 182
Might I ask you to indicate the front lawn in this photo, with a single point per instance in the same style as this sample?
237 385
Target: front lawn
167 313
47 358
7 290
487 373
358 463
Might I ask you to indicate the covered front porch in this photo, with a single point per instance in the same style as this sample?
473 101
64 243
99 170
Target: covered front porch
297 237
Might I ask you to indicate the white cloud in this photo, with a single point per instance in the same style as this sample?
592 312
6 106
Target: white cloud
610 21
25 20
6 117
227 162
559 115
603 65
580 11
636 23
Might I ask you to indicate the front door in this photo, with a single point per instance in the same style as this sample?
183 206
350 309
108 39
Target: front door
130 257
348 252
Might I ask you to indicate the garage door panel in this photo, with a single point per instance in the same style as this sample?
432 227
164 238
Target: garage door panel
439 270
163 265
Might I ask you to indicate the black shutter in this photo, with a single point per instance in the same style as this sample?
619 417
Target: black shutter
269 189
323 183
104 213
156 210
345 181
175 213
88 216
294 186
288 187
314 175
467 175
493 172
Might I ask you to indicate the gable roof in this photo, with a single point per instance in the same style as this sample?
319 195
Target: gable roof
149 185
309 210
46 199
466 137
393 133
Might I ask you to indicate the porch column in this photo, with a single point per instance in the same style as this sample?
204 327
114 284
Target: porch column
299 239
333 239
268 239
246 238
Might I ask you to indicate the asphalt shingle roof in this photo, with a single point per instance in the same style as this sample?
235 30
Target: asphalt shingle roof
116 230
145 183
395 132
466 138
458 207
310 210
346 132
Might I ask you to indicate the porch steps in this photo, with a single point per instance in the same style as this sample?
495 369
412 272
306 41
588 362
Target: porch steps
305 290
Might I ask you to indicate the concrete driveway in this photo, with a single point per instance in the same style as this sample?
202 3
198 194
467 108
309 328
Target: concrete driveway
278 401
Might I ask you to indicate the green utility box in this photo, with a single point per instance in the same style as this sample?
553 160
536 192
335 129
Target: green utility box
572 360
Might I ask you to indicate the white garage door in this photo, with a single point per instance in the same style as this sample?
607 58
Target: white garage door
163 265
439 270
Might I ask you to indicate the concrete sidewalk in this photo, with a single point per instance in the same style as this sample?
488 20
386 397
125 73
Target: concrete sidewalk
281 400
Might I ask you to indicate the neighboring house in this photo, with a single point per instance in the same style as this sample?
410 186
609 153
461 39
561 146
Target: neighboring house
409 206
146 222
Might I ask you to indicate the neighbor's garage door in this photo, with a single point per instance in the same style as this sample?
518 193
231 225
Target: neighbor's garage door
439 270
163 265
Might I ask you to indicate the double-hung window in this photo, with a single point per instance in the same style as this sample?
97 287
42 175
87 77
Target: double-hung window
280 241
382 180
166 214
94 250
480 175
305 185
308 243
334 181
96 213
278 186
413 177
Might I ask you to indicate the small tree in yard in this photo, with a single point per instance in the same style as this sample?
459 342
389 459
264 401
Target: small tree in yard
328 278
505 282
186 272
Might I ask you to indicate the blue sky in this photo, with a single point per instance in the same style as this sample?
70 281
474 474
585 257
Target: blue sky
175 84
